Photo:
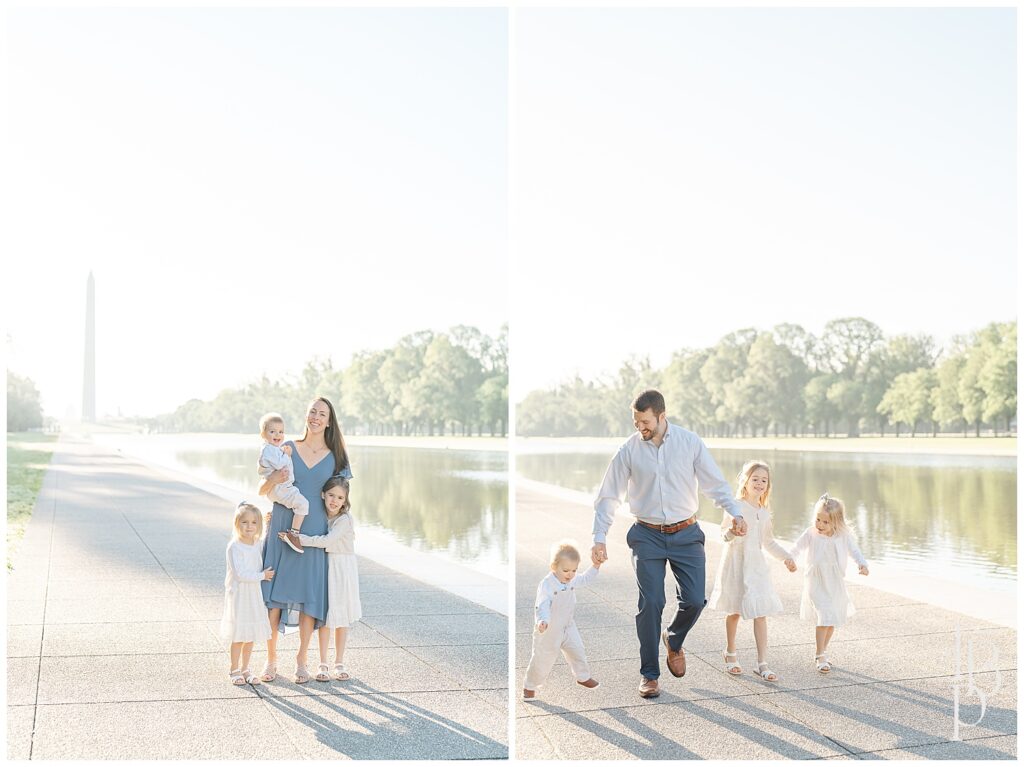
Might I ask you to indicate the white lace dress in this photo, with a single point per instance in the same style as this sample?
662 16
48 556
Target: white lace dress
744 582
825 599
245 615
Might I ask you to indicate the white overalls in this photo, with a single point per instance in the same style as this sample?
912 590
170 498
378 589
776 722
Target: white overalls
556 605
285 493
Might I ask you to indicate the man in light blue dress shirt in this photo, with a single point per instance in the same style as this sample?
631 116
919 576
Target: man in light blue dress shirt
660 468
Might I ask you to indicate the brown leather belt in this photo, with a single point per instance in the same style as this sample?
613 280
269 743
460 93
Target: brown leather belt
669 529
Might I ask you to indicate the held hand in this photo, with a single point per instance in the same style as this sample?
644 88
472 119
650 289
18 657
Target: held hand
286 449
277 476
267 516
268 574
283 536
862 569
739 526
599 554
542 626
790 565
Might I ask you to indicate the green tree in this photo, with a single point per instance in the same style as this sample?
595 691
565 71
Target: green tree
846 344
768 392
687 397
946 405
492 399
909 399
820 410
726 362
900 354
998 375
847 397
24 408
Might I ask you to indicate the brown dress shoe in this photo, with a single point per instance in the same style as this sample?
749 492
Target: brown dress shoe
294 542
649 688
676 661
529 694
590 683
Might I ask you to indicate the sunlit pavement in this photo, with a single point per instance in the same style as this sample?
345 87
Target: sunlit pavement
113 611
891 694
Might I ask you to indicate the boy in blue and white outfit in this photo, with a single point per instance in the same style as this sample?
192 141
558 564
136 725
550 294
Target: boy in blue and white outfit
555 626
274 456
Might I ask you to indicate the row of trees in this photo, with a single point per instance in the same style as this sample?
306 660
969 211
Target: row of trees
788 381
24 407
428 383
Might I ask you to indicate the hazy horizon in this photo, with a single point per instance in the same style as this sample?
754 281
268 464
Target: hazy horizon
681 173
305 182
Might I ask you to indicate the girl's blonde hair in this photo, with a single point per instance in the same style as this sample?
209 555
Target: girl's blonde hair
240 511
268 419
744 476
836 512
564 550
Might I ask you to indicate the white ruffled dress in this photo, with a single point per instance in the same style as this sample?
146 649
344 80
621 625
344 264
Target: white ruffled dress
744 582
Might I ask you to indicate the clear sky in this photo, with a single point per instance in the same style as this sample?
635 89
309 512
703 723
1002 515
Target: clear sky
250 187
682 173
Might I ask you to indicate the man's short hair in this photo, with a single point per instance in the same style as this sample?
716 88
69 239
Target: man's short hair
649 400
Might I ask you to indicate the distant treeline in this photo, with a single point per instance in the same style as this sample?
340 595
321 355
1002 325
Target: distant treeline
427 384
788 381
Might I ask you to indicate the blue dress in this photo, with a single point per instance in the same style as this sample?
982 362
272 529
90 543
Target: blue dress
299 584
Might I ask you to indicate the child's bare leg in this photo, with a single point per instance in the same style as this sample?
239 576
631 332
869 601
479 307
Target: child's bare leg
829 631
323 640
340 638
731 624
246 654
761 639
297 520
236 652
821 634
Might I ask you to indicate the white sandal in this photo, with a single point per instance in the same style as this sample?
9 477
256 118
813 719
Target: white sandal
250 677
269 672
764 672
301 674
340 673
321 673
237 677
732 667
822 665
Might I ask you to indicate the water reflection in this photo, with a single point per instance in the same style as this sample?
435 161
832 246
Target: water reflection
936 512
454 501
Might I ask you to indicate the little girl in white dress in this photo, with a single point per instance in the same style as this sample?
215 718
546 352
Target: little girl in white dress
744 584
245 615
828 544
343 606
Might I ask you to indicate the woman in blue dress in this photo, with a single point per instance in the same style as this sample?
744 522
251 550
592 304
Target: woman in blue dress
297 596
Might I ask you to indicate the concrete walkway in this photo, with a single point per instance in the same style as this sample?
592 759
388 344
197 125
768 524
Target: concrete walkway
113 611
890 695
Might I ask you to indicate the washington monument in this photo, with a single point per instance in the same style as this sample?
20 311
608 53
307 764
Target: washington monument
89 373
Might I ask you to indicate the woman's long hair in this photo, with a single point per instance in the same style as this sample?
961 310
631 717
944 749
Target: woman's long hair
333 437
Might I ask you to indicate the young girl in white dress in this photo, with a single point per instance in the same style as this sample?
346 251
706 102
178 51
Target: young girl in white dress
828 544
343 605
744 584
245 615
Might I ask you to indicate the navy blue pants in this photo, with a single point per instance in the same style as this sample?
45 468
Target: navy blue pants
683 551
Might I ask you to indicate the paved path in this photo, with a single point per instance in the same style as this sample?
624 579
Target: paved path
113 611
889 697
